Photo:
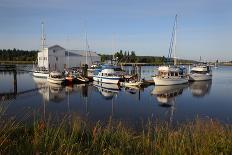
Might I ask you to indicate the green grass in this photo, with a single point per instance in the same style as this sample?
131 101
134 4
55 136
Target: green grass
77 137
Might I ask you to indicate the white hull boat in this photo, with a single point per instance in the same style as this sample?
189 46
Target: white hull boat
200 73
160 81
56 81
56 78
171 75
107 76
200 77
40 74
114 80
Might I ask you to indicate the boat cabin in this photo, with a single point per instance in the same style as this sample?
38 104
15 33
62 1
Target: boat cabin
107 72
201 69
56 75
166 71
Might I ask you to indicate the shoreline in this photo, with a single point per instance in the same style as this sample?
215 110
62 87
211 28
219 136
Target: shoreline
16 62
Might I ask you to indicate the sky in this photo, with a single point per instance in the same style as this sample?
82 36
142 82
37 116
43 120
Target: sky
144 26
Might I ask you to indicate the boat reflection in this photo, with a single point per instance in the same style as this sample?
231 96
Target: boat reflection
200 88
108 91
166 95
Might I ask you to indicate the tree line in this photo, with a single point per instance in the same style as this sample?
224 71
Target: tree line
17 55
131 57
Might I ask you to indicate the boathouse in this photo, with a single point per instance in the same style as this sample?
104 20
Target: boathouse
58 58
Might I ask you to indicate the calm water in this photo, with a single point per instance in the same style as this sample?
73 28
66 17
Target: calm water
95 102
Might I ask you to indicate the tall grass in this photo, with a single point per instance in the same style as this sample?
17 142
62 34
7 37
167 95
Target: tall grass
77 137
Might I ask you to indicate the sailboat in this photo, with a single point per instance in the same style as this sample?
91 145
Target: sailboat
41 72
82 78
171 74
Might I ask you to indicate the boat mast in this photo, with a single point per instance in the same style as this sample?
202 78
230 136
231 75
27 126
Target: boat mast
42 40
174 41
86 49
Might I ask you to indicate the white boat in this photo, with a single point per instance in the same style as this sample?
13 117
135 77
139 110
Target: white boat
56 77
200 73
40 74
107 76
170 75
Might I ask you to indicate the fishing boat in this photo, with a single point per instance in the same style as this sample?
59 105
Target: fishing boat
107 76
171 74
56 77
200 72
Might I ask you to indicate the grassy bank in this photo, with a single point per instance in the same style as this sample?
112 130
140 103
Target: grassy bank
76 137
16 62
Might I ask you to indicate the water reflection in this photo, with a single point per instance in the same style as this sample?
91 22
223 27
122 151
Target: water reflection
108 91
200 88
57 93
96 101
166 95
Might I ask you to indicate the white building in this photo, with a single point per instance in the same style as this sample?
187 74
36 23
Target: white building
57 58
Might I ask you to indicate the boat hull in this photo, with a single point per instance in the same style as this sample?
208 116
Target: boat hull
200 77
56 81
128 84
40 75
169 81
114 80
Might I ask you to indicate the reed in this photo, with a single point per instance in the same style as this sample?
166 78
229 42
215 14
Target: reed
77 137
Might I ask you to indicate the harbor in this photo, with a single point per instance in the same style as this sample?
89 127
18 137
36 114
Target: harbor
122 103
115 77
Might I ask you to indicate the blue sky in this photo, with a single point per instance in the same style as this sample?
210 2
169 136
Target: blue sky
204 26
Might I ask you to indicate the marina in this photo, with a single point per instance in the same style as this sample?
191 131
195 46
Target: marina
115 77
133 104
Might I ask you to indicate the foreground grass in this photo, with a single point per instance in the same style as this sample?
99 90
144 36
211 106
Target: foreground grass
76 137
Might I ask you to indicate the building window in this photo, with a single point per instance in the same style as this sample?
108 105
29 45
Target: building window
54 51
56 58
